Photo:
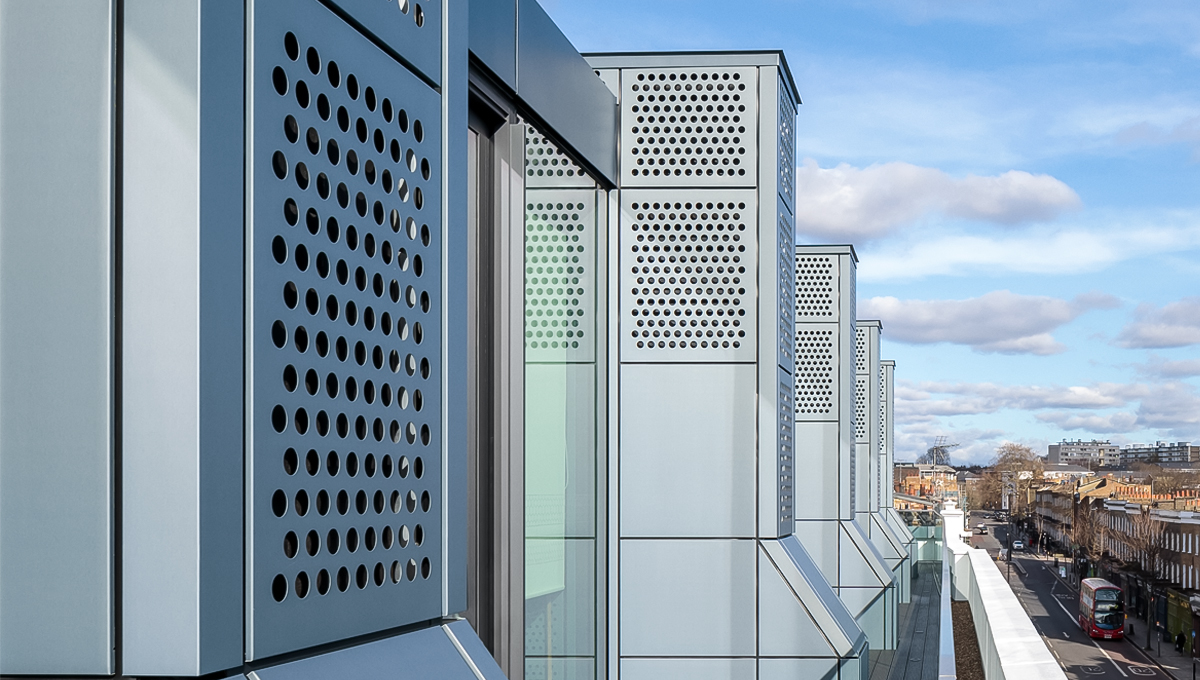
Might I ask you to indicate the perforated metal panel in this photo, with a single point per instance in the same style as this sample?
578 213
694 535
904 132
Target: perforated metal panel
860 349
883 448
816 344
688 276
815 373
413 28
862 422
689 126
852 284
787 436
560 275
546 165
787 145
816 287
344 478
786 312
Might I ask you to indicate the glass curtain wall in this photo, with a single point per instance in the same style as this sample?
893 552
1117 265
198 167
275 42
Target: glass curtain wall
563 403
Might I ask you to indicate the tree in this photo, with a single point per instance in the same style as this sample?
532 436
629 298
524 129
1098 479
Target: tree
1089 529
1169 481
1025 469
974 495
1146 539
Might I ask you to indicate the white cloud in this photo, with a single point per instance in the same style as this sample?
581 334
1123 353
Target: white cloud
1073 250
1174 325
1186 131
948 399
1112 423
1170 409
1162 368
854 204
999 322
1173 408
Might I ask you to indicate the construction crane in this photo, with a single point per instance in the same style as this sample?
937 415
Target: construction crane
939 453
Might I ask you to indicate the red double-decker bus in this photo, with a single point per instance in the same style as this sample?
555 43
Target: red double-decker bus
1101 610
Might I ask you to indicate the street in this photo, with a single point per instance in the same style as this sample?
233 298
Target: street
1052 606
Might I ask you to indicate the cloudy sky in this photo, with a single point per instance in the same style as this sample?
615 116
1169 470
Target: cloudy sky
1021 181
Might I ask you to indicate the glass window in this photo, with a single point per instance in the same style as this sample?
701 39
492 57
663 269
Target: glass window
562 230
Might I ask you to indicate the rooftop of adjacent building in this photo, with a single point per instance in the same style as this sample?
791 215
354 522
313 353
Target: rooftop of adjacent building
1155 445
1064 468
926 467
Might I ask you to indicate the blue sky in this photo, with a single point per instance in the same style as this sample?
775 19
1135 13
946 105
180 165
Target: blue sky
1021 181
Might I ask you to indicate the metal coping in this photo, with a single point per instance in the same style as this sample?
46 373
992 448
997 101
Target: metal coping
601 59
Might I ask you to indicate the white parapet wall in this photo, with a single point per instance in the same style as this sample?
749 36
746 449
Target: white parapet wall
1008 642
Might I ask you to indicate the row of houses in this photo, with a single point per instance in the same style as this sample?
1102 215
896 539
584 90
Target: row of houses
923 485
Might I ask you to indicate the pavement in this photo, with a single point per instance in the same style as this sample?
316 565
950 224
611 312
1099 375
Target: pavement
1051 603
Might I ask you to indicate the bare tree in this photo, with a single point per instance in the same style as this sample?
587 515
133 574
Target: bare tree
1026 470
1145 537
1089 529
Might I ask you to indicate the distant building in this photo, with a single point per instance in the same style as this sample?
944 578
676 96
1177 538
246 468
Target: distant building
926 480
1160 452
1090 454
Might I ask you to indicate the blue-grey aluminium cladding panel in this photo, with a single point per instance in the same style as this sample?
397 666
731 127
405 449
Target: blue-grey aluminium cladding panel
411 29
493 37
56 337
182 312
457 311
564 91
447 652
344 526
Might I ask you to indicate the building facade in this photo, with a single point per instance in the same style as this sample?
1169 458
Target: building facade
400 337
1160 452
926 480
1090 454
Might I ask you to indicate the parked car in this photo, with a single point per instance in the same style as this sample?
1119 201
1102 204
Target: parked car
1018 545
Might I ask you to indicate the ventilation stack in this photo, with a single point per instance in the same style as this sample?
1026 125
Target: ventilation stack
887 465
708 579
827 510
868 436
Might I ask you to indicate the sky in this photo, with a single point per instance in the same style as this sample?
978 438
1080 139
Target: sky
1021 182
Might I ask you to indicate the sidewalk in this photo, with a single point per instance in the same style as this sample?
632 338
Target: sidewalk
1164 656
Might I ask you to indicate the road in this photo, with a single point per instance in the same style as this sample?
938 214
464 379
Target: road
1052 606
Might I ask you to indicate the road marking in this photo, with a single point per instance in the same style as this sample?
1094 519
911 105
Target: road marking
1094 644
1105 653
1060 606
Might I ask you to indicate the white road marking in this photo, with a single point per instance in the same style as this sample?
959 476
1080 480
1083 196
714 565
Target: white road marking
1105 653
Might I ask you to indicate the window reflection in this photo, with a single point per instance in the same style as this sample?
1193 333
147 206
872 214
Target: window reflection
560 415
